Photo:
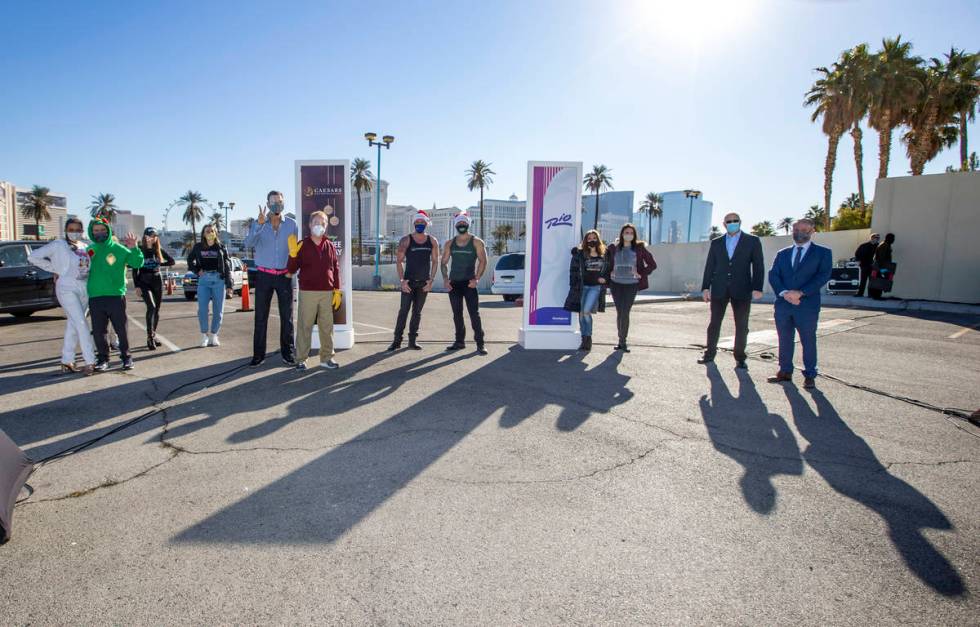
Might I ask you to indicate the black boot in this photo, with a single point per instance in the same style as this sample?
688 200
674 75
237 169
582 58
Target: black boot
413 345
395 345
587 343
151 343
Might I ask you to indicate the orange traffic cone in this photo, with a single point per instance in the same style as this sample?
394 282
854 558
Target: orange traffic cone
246 301
170 287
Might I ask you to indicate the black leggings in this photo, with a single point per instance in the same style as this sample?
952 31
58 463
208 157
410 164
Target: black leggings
623 296
152 289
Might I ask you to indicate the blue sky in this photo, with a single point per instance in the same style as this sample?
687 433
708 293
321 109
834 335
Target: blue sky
148 99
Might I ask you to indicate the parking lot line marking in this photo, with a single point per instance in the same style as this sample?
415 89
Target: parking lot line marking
374 326
963 331
770 337
173 347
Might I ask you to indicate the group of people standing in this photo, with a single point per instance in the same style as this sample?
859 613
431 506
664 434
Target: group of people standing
875 260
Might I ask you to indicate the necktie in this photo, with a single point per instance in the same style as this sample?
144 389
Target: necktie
796 257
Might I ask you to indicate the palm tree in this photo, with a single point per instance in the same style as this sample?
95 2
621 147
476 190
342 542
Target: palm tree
785 224
599 179
819 216
763 229
218 220
36 208
893 88
104 206
502 235
187 242
828 95
361 177
715 231
193 210
480 175
965 70
855 66
932 114
652 205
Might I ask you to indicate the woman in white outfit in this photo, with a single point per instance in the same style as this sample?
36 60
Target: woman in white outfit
68 260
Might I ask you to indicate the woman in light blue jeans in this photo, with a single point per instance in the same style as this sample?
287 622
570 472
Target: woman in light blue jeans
587 279
210 262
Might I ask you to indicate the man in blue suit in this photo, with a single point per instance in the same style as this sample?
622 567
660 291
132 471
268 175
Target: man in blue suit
797 275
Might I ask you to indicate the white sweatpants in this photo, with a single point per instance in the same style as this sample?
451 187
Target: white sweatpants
74 300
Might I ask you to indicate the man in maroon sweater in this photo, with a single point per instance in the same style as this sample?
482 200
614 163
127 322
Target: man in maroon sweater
319 291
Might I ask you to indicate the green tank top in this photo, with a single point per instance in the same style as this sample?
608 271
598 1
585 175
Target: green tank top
463 261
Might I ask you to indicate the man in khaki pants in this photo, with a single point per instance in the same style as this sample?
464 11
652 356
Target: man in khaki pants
315 258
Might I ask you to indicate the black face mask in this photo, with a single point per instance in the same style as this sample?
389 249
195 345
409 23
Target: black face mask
462 229
592 244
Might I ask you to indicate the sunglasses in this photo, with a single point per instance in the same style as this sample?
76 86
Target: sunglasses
732 221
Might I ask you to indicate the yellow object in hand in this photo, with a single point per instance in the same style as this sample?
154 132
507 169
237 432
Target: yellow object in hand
293 245
336 299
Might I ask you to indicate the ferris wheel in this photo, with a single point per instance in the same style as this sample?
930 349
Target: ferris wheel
166 212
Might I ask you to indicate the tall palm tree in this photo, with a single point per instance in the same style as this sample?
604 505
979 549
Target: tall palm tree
785 224
828 95
104 206
480 175
653 206
855 66
599 179
361 178
965 70
932 112
218 220
819 215
36 208
193 210
893 87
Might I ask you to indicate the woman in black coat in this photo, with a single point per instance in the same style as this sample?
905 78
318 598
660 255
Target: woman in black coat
588 275
884 267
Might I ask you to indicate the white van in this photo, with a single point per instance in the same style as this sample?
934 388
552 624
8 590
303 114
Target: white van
508 276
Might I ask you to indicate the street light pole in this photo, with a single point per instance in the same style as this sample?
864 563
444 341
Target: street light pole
386 142
691 194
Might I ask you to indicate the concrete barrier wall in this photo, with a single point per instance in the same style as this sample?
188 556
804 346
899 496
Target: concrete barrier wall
363 276
681 266
936 222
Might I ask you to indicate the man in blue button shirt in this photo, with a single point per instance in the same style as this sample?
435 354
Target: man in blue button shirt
272 237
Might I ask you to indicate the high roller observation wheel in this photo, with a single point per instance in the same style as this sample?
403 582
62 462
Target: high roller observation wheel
166 212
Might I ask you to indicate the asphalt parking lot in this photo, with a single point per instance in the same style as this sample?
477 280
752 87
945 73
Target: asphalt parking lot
520 487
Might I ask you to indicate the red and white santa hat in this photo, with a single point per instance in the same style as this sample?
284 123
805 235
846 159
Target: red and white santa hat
421 216
461 217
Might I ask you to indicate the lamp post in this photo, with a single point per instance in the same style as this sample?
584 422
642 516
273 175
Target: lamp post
226 207
386 142
691 194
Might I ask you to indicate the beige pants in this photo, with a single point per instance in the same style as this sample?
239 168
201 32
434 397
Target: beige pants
314 308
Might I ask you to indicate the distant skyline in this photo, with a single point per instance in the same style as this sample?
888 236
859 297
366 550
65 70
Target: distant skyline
148 100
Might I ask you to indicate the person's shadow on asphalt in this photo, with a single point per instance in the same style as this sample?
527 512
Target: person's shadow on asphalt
849 466
743 428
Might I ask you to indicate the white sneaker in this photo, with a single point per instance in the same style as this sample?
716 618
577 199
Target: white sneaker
214 340
329 365
205 340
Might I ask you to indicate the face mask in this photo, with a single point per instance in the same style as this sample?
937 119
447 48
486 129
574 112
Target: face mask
462 228
420 228
733 227
276 208
318 230
801 238
627 237
100 237
73 236
592 243
210 237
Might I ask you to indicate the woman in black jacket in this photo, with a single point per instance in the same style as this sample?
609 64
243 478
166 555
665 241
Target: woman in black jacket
588 276
149 282
884 267
210 262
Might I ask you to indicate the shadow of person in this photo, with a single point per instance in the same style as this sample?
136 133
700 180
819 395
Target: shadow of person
744 429
325 498
849 466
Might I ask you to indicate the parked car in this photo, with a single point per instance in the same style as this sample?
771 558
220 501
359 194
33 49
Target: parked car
238 269
508 276
24 288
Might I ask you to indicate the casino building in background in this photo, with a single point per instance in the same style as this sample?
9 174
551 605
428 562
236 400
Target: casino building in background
13 224
686 218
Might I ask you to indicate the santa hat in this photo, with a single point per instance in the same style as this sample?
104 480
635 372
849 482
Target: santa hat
423 216
460 218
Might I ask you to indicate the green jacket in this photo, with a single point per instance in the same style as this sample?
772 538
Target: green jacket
108 261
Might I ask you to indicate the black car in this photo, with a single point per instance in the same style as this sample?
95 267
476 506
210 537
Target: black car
24 288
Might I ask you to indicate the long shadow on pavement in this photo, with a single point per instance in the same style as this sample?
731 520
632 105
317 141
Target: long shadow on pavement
324 499
835 450
743 428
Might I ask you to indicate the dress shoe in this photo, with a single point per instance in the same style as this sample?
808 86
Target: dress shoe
809 383
455 346
779 377
394 346
413 346
706 359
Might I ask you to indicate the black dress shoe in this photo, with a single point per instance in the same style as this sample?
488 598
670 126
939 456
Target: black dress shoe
256 362
413 346
480 350
741 365
455 346
289 361
809 383
706 359
394 346
779 377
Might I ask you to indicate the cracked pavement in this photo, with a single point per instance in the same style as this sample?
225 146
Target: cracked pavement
509 489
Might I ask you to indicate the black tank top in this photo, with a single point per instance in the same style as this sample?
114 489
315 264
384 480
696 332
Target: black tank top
418 259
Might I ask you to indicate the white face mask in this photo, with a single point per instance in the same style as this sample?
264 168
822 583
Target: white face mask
74 236
627 237
318 230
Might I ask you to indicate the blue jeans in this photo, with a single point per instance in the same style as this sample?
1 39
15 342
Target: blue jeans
210 289
590 302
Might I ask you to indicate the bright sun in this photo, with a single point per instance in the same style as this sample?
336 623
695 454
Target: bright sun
687 23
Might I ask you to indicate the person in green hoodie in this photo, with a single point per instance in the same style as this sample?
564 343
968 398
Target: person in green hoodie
107 289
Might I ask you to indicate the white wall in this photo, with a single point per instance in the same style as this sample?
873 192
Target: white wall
936 222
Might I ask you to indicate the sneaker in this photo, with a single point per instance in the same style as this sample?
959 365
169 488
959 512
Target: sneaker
480 350
289 361
102 366
455 346
256 362
157 342
301 365
329 365
128 364
205 340
214 340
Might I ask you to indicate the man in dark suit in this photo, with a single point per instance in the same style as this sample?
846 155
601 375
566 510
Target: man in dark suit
733 273
798 273
865 255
